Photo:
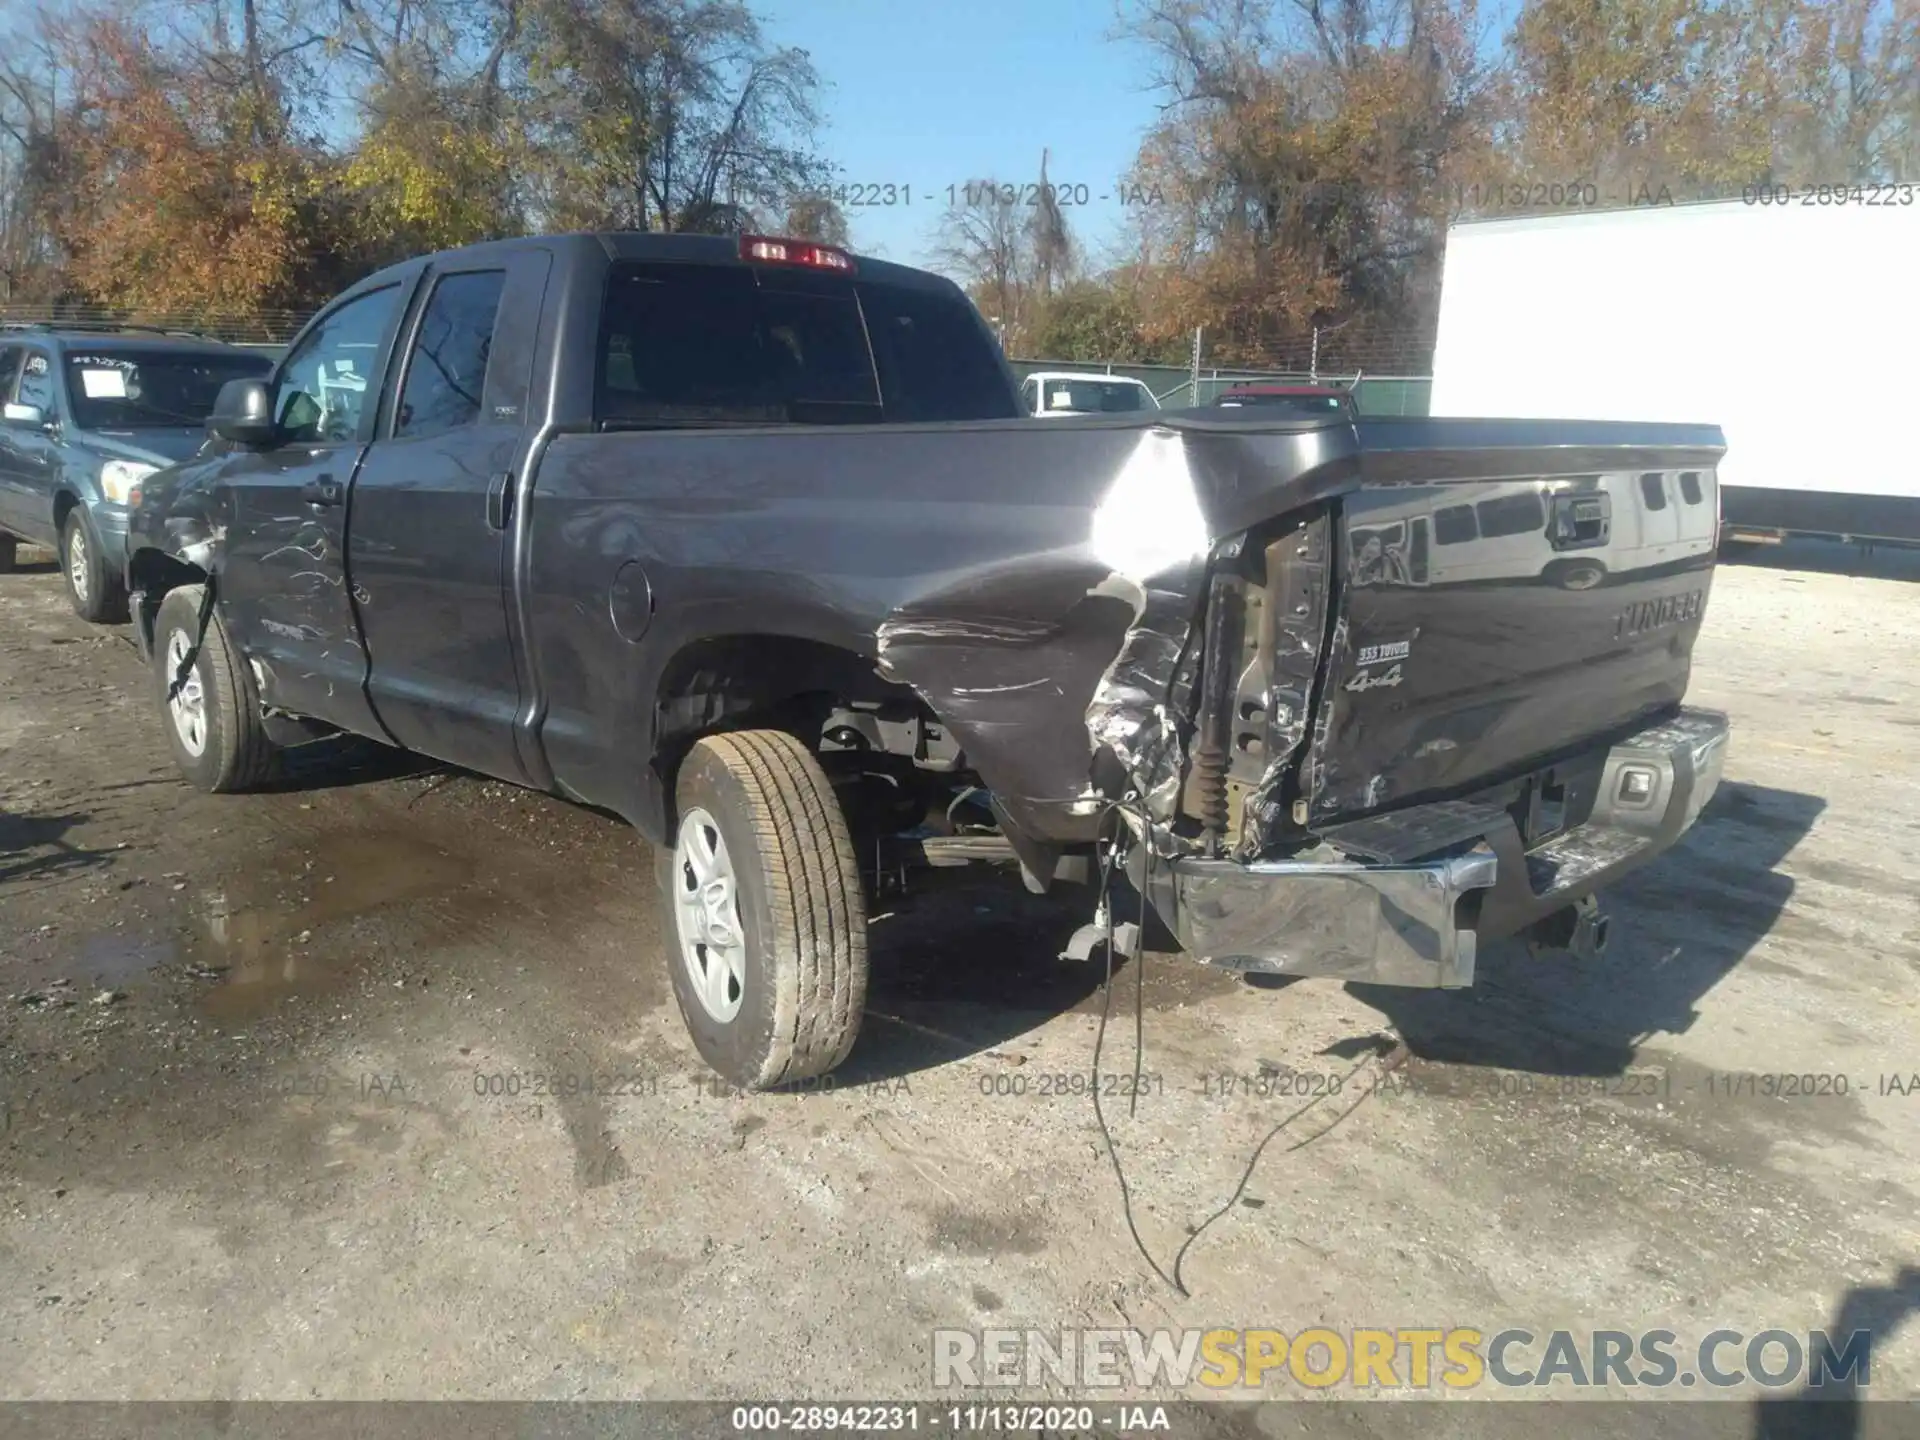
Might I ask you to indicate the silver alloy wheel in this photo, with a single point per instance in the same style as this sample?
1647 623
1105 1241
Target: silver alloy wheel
77 561
706 907
189 707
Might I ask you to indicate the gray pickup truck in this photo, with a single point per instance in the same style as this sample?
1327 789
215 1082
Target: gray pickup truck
749 542
89 412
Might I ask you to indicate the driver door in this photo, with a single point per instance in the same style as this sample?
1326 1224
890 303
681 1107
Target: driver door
283 588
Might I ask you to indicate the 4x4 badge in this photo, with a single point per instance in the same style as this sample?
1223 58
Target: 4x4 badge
1367 680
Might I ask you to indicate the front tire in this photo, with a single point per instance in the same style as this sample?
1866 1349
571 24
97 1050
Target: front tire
770 936
96 593
213 724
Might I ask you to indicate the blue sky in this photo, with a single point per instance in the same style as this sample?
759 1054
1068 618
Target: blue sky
930 93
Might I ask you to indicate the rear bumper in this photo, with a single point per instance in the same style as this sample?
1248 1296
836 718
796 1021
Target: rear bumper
1418 923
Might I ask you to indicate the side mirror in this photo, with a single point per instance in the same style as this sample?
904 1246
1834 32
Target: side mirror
29 417
243 413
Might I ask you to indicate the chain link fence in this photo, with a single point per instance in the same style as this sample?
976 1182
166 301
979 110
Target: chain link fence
257 329
1390 371
1175 386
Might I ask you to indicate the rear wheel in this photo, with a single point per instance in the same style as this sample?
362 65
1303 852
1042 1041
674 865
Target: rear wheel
770 942
96 592
213 721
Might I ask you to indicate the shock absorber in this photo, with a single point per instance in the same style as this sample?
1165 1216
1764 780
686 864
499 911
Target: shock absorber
1210 753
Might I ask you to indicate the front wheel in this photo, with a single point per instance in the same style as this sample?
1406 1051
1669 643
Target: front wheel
97 594
213 720
770 935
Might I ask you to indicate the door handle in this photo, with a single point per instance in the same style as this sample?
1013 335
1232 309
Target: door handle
499 499
323 490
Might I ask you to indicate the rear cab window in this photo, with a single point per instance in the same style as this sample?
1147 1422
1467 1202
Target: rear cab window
686 344
447 365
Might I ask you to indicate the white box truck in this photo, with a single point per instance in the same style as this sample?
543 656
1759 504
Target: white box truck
1789 319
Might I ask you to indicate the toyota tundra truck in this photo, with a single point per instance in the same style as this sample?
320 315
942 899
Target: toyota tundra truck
748 541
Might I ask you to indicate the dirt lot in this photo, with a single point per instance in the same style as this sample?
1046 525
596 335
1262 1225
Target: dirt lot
256 1055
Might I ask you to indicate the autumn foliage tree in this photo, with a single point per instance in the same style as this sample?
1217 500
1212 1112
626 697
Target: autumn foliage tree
1301 175
170 208
1294 194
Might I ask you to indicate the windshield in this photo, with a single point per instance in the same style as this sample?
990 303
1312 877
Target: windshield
111 388
1287 406
1099 397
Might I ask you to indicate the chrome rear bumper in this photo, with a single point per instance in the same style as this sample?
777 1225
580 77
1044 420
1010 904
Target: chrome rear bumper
1418 923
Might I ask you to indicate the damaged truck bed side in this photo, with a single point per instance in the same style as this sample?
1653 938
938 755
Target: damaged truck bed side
749 542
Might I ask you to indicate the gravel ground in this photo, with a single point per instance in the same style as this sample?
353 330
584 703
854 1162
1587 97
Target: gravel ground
255 1054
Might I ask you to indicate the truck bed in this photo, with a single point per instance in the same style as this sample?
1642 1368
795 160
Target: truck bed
967 562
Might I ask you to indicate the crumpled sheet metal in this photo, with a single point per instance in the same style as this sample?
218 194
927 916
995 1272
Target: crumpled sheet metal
1138 711
1066 675
197 541
1045 715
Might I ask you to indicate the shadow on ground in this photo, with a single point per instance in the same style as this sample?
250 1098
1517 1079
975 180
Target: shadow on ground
36 848
973 963
1831 1406
1684 922
343 761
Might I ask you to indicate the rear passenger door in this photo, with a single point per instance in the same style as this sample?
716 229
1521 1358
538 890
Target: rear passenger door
430 511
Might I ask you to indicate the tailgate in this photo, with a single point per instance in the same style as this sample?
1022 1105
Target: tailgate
1502 600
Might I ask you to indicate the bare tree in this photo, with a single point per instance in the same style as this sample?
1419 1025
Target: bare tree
668 114
983 244
1048 239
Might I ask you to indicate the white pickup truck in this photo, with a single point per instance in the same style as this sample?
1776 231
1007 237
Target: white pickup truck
1051 393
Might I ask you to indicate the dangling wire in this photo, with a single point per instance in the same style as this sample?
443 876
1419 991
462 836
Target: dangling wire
1109 855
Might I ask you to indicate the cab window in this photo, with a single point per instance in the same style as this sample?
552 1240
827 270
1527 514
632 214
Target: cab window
447 370
323 384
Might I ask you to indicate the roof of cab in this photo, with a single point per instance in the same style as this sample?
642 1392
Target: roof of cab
647 245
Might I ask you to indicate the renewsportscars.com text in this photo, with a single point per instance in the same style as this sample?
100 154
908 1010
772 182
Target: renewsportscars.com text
1420 1358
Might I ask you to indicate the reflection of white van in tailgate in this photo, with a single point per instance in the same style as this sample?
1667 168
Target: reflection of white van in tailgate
1599 524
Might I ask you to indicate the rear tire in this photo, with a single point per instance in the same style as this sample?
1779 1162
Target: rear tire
769 949
96 594
214 726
